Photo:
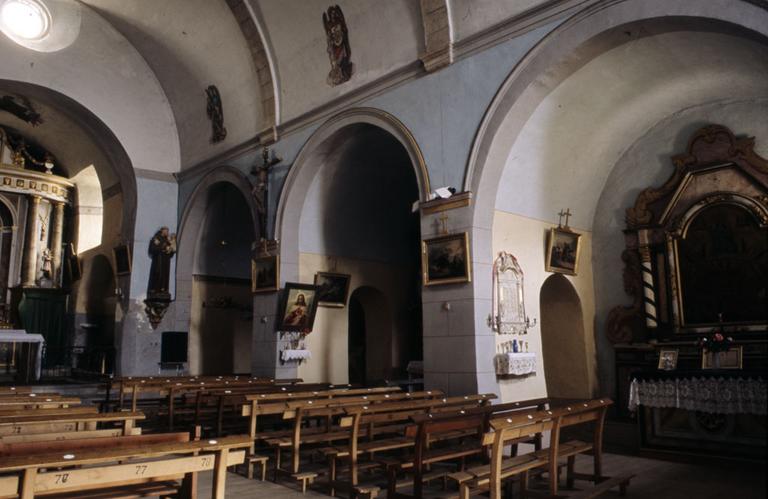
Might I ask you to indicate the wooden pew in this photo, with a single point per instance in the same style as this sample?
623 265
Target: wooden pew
448 426
122 471
360 420
55 424
13 390
44 402
397 433
512 428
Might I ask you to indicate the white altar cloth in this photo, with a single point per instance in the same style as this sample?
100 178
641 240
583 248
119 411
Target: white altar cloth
518 364
21 336
288 355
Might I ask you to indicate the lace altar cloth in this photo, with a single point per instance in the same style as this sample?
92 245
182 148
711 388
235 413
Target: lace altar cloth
518 364
288 355
712 394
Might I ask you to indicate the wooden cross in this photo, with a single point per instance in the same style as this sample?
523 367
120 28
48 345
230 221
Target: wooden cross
444 223
567 214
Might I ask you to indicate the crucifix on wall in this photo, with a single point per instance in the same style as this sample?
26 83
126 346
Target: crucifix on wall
260 190
567 214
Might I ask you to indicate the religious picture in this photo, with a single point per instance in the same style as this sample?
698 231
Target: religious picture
445 259
162 247
338 48
122 260
667 360
333 289
730 359
297 310
563 251
265 273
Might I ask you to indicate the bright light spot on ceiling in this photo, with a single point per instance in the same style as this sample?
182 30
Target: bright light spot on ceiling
27 19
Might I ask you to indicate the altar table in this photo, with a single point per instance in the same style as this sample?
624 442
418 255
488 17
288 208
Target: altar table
21 336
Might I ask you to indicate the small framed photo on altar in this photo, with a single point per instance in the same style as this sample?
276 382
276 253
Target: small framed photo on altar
730 359
563 247
667 359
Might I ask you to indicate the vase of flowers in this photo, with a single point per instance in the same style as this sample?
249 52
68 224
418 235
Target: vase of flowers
716 343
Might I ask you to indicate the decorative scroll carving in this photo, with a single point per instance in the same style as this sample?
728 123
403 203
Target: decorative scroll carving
716 169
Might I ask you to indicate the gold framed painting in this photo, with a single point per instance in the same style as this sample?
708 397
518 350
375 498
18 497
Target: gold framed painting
445 259
265 273
667 359
334 289
563 247
730 359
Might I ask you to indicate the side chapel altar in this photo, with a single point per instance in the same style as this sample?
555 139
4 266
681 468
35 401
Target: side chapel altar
696 267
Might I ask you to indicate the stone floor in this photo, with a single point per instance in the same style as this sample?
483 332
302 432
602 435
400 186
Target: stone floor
653 479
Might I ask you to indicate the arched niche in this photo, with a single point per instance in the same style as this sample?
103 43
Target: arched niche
371 344
552 137
564 345
308 164
212 279
345 207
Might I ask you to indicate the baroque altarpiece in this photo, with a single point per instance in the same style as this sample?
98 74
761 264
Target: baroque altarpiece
696 263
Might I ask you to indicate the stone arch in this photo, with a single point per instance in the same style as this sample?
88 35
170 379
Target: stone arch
189 235
584 37
564 345
304 169
508 112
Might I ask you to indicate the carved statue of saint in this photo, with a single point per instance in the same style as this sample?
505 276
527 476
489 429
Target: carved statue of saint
162 247
339 51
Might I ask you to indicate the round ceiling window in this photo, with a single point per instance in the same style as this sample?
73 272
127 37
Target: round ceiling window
27 19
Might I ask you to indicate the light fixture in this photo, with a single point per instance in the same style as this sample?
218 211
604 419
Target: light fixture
26 19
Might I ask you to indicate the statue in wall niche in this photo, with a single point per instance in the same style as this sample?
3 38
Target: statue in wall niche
162 247
338 46
215 114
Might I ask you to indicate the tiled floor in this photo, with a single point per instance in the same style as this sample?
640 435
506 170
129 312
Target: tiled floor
654 479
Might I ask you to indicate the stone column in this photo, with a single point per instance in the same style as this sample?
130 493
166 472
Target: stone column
29 257
56 240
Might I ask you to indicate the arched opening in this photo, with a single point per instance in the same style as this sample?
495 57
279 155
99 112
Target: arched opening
562 340
350 195
554 128
221 313
372 340
6 242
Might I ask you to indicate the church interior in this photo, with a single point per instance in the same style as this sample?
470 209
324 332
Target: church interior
413 248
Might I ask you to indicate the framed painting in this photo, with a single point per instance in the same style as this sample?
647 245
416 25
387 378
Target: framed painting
730 359
298 307
265 273
445 259
668 359
334 289
563 248
122 257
